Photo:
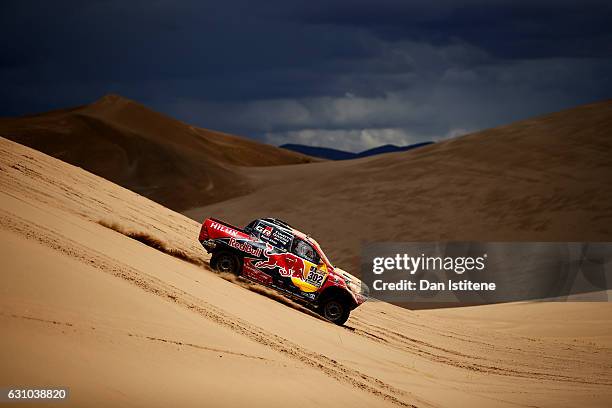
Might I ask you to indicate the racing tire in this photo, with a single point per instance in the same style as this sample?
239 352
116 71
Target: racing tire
226 262
335 310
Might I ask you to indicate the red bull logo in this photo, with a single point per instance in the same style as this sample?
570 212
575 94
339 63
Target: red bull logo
287 264
244 247
295 266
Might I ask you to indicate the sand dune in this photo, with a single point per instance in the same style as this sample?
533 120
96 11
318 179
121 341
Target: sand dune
546 178
121 323
175 164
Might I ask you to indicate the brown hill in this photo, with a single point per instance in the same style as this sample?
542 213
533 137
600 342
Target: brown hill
548 178
171 162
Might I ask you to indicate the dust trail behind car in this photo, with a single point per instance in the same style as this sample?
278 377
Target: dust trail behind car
154 242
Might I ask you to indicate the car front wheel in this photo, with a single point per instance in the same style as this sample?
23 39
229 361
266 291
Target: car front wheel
335 310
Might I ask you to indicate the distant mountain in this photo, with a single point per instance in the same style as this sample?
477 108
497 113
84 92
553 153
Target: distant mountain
389 148
320 152
169 161
335 154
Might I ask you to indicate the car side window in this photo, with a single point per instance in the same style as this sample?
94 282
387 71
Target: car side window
303 249
251 229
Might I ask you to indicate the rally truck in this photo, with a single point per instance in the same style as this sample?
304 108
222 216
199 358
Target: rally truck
271 252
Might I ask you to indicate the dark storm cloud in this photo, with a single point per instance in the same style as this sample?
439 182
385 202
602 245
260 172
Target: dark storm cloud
351 74
510 29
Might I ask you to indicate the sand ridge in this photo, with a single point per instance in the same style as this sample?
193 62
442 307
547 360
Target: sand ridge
542 179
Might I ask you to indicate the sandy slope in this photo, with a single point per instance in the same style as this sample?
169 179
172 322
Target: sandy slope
590 321
546 178
169 161
123 324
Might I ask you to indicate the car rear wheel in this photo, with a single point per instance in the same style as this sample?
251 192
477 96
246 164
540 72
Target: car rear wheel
335 310
225 262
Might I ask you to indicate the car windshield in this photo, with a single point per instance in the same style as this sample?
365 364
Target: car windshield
322 254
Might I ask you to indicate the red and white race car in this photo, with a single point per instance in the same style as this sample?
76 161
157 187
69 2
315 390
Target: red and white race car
272 253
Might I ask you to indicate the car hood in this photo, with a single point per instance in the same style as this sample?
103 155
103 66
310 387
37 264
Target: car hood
353 281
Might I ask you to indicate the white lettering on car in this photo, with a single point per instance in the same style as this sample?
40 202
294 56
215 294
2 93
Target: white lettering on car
223 228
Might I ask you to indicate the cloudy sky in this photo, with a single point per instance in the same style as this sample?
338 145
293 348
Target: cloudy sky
349 74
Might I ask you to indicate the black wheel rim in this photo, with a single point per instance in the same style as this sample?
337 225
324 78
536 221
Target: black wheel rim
226 264
333 311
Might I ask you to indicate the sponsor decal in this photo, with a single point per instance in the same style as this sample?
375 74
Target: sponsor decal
315 276
281 237
288 264
256 274
244 247
274 236
261 228
312 278
223 228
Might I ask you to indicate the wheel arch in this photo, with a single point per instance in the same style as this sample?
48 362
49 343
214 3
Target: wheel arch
337 293
224 247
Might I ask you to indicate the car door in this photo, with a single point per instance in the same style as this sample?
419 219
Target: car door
277 261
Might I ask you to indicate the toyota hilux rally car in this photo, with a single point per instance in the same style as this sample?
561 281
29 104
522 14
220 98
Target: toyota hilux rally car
271 252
